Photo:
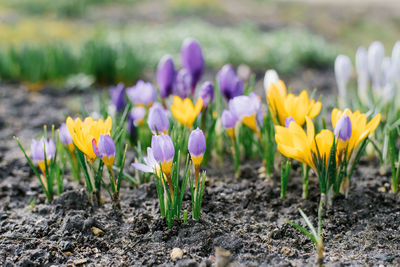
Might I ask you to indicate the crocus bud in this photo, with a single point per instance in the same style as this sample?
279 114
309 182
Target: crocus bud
105 149
166 75
376 53
38 149
270 77
343 128
163 151
229 84
228 120
206 92
343 69
362 73
66 137
192 60
182 83
158 120
142 93
288 121
117 95
197 146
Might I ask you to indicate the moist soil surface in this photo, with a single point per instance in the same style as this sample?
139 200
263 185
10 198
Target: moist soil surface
244 216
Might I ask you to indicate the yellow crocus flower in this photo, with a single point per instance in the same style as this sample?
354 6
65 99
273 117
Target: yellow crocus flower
184 111
84 132
283 105
293 142
360 128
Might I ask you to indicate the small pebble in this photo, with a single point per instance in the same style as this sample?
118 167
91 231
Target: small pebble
96 231
382 189
285 250
176 254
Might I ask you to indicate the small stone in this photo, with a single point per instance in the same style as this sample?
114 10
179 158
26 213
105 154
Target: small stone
67 253
176 254
334 258
80 261
223 257
382 189
285 250
96 231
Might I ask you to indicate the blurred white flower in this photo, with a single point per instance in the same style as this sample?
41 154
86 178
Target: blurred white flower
343 70
271 76
376 53
362 74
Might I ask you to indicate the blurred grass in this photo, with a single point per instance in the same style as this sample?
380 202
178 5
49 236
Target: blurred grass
62 8
48 50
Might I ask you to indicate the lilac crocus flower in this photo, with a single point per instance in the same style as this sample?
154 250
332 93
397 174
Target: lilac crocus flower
197 146
244 106
117 95
143 93
229 84
182 84
38 149
64 134
192 60
166 75
158 120
137 114
288 120
228 120
105 149
343 128
163 151
150 163
343 69
206 92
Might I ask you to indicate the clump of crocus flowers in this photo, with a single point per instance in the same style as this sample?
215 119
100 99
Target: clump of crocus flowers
44 156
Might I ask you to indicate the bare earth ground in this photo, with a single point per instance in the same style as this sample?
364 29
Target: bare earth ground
244 216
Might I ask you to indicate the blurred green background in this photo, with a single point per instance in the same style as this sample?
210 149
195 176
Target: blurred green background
68 42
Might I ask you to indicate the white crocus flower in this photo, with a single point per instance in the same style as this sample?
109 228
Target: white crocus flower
271 77
343 70
362 74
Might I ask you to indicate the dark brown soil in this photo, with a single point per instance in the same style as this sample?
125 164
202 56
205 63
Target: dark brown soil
245 216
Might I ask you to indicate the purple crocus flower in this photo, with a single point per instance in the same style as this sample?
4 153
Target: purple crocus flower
163 151
105 149
288 120
137 114
143 93
38 149
343 128
64 134
228 120
166 75
206 92
197 146
229 84
150 163
158 120
182 84
117 95
244 106
192 60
